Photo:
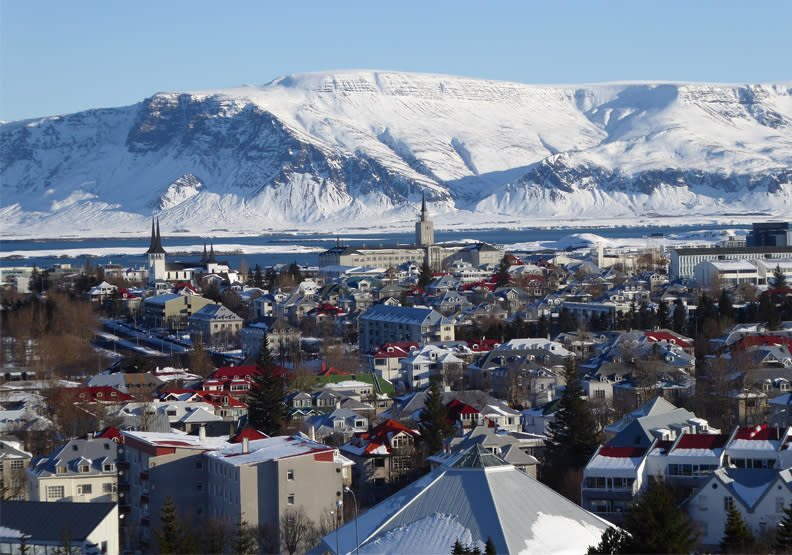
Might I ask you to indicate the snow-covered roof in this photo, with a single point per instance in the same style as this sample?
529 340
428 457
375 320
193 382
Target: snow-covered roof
274 448
477 496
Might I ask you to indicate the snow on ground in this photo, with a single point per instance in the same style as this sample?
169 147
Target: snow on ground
120 250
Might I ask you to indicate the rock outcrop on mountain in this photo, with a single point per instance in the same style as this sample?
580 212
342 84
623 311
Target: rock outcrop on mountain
343 150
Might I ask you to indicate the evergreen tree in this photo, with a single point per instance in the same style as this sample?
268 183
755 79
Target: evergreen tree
663 319
258 279
612 542
565 320
725 308
737 537
266 406
779 278
502 277
783 541
679 318
656 524
243 542
432 422
425 277
572 435
295 273
170 536
489 547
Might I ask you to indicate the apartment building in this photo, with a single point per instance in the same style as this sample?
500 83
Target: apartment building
383 324
14 462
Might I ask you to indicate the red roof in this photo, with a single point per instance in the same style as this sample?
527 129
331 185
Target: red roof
109 433
242 372
761 340
334 372
668 337
395 349
93 394
484 345
701 441
760 433
622 452
250 434
456 408
381 435
182 285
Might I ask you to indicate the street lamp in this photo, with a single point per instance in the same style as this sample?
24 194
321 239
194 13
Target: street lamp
357 537
339 506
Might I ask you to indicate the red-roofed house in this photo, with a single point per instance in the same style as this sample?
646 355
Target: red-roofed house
612 479
384 457
385 360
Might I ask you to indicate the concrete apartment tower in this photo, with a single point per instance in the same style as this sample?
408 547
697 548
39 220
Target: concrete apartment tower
424 229
156 255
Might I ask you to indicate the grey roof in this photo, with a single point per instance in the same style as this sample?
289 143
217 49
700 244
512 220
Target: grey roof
638 433
214 312
404 315
95 451
49 521
480 495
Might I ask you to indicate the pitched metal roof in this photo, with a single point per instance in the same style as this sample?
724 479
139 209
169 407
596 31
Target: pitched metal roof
477 499
49 521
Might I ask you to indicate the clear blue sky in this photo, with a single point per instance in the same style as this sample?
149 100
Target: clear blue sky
64 56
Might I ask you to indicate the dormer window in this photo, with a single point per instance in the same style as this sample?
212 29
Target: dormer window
84 468
60 470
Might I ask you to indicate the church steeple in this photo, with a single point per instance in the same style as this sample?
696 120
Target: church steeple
204 258
424 229
156 242
211 253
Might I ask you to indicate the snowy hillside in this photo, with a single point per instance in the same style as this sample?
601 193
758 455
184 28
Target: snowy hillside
355 150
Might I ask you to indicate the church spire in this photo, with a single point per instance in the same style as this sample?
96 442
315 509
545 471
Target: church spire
204 258
423 207
211 253
156 242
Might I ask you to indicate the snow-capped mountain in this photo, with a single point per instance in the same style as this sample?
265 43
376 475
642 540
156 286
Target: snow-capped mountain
346 150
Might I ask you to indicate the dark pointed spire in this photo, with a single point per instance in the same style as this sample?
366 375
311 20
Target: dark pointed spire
423 207
156 242
204 258
211 253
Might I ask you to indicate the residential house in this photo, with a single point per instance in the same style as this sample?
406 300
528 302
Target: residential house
339 424
215 326
14 462
81 471
383 457
172 310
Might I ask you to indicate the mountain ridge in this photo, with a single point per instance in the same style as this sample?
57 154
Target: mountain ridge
326 150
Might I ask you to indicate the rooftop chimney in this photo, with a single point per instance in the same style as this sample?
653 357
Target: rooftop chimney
202 433
245 446
313 433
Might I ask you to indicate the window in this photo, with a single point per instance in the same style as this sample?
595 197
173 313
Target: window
107 467
84 468
54 492
108 487
728 503
291 499
290 475
17 464
60 470
84 489
379 463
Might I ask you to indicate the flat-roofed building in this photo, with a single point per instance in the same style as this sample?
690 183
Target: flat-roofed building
684 261
725 273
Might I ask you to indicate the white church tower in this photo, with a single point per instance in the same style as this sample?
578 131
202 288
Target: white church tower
156 255
424 229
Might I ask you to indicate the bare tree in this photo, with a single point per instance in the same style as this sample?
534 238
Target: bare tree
296 530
